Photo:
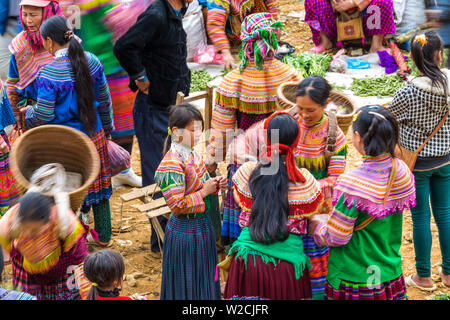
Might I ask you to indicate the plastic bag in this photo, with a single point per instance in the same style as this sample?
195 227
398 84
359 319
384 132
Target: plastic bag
207 55
194 25
357 63
339 63
119 158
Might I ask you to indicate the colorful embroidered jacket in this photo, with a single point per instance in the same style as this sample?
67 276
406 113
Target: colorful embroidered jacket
180 176
57 98
310 154
252 92
24 66
358 195
226 16
41 253
303 198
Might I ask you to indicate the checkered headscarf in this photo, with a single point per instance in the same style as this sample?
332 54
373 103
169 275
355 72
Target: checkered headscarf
259 40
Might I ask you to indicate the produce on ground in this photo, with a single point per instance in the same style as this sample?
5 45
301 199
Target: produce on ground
199 80
308 63
380 87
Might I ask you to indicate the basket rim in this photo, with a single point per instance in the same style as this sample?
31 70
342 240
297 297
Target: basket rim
283 99
26 183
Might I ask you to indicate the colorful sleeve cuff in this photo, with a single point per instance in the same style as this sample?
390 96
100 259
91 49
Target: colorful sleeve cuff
336 232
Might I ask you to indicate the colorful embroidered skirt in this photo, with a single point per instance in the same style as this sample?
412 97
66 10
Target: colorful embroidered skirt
122 102
8 191
265 281
189 260
321 17
318 257
101 188
56 283
389 290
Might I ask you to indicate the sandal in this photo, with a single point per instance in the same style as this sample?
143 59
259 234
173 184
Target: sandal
91 241
440 274
411 283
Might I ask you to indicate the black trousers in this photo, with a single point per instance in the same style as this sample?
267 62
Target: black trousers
150 126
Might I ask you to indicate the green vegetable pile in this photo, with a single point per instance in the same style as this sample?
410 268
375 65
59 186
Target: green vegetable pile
308 63
379 87
442 296
199 80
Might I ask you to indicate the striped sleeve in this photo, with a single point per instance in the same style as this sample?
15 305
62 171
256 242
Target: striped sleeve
170 177
218 12
44 110
13 77
339 228
222 124
272 8
105 106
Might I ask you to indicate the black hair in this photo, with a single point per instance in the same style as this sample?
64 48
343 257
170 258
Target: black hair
58 29
270 207
316 87
424 58
379 131
35 206
103 267
180 116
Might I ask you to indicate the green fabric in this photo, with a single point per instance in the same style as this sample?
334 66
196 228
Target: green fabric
290 250
214 213
323 172
97 40
102 220
372 255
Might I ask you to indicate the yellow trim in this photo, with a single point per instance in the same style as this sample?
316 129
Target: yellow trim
317 163
45 264
5 243
246 107
73 237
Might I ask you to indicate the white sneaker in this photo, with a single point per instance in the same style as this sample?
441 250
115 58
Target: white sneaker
129 178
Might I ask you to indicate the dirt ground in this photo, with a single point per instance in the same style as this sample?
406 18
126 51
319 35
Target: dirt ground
129 224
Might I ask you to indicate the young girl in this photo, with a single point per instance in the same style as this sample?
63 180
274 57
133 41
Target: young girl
105 269
365 226
72 91
189 248
42 248
419 107
311 153
268 259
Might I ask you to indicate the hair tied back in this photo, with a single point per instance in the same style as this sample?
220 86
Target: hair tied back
68 35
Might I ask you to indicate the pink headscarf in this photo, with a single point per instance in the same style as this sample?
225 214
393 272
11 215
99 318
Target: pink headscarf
35 38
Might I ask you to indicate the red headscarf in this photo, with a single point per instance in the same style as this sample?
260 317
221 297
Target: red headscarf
293 173
34 38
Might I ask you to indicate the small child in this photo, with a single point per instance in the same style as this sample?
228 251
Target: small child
364 229
189 248
105 269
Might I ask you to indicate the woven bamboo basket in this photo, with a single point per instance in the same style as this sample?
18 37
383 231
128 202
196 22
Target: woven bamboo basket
55 144
286 96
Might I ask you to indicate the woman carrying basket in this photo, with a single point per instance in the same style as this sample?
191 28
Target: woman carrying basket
73 91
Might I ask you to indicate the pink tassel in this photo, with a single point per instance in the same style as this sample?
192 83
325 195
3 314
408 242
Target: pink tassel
363 40
216 277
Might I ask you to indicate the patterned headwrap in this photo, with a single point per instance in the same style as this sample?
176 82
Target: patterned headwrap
293 173
35 38
259 40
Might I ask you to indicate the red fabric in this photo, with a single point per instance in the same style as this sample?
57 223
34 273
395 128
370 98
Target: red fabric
266 281
293 173
114 298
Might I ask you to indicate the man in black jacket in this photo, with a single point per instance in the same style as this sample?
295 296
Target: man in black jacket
153 52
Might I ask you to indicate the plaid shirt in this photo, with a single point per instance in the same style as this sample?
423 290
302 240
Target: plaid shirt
418 108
